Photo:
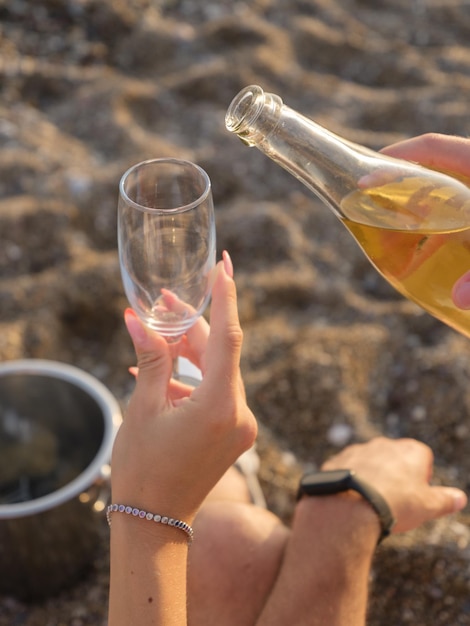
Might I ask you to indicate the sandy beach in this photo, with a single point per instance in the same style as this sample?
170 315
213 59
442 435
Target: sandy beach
332 353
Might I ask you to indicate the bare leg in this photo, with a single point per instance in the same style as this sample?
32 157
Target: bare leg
235 558
232 486
233 563
247 569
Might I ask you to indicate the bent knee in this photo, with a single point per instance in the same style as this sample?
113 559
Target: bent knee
237 547
234 532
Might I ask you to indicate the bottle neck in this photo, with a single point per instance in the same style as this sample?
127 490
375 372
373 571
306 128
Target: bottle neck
324 162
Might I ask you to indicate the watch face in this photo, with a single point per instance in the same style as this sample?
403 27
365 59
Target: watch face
320 483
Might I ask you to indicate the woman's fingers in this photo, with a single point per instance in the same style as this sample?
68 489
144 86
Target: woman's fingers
154 365
222 355
216 349
195 343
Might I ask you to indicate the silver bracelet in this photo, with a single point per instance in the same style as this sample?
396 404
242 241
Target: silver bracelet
151 517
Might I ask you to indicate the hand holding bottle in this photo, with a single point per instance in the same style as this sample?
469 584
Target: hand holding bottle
448 154
411 221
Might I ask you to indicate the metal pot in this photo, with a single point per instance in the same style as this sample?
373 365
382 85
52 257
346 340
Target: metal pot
57 427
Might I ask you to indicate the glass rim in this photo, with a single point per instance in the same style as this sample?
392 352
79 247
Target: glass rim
172 160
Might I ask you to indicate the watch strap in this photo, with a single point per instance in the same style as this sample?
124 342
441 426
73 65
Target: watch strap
339 481
377 502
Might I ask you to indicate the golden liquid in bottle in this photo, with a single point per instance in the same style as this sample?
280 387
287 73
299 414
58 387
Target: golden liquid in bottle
422 260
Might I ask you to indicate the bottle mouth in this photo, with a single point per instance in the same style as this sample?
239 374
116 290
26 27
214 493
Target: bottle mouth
244 109
253 115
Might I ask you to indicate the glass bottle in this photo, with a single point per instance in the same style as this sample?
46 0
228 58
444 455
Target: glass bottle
412 223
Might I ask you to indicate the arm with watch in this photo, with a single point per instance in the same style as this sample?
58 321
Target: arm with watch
336 481
359 497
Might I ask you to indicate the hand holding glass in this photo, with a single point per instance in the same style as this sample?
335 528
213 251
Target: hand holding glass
167 243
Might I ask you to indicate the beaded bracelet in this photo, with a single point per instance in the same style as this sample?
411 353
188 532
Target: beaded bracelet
151 517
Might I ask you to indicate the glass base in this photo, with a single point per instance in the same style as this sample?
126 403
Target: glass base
188 373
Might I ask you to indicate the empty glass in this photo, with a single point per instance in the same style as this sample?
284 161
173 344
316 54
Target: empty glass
167 243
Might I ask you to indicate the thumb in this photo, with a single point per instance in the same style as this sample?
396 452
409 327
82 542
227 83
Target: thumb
154 366
447 500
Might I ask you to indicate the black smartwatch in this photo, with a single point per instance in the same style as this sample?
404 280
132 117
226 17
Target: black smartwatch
336 481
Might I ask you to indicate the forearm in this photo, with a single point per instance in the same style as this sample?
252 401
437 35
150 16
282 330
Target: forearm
324 576
148 574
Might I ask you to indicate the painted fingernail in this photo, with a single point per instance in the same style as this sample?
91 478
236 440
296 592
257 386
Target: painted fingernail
134 326
228 265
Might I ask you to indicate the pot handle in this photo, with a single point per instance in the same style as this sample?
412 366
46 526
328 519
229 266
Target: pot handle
98 495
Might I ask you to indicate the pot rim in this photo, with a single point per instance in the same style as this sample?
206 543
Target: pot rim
112 417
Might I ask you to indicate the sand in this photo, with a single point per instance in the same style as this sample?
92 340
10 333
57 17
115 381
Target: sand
332 354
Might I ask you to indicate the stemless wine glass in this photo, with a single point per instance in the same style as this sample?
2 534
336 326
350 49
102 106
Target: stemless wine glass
167 244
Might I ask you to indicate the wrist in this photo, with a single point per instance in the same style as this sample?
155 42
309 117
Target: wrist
152 523
164 502
147 537
342 481
345 521
148 564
